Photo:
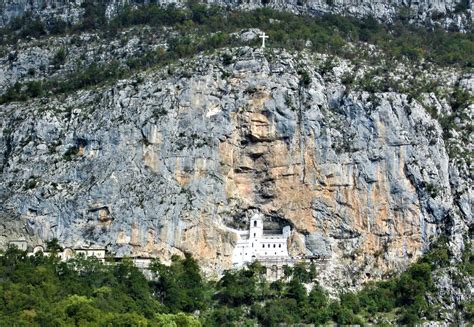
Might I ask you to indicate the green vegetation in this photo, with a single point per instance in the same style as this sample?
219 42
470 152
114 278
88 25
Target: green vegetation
42 291
22 92
328 34
200 28
461 6
23 27
94 15
59 58
305 79
180 286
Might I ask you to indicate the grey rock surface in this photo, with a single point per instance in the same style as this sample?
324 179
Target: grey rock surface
157 164
454 289
448 14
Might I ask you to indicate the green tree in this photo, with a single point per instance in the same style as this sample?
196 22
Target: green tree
59 58
180 286
80 311
350 301
296 290
53 245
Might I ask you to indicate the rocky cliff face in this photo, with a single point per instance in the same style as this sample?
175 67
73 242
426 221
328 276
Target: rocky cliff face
449 14
159 164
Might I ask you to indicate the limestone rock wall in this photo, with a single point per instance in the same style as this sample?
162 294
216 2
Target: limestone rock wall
159 164
449 14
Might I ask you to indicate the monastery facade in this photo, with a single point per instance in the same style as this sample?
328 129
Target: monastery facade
255 244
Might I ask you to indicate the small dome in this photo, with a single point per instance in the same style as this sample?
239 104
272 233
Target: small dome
68 253
38 248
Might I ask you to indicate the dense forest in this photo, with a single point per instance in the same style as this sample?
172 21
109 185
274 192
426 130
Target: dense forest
43 291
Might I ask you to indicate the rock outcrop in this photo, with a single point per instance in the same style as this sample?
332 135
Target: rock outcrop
449 14
158 164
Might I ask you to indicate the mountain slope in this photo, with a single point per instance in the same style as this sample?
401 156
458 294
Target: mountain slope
159 163
449 14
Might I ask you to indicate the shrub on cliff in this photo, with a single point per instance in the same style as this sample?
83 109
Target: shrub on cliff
94 15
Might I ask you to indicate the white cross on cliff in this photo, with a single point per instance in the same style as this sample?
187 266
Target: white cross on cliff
263 36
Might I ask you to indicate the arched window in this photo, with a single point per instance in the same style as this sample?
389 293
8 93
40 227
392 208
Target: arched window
254 223
263 245
279 245
274 245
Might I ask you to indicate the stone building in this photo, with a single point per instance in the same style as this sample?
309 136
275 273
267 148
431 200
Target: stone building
96 252
19 244
256 244
69 253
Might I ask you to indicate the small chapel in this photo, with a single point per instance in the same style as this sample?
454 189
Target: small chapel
256 244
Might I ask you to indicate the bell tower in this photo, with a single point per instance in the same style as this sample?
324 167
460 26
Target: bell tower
256 226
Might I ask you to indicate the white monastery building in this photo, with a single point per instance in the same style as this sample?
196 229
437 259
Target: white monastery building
254 244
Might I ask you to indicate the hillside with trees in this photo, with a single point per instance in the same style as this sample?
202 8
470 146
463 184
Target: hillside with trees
43 291
155 130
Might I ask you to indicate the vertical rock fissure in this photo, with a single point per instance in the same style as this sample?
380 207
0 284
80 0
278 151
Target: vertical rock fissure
7 134
301 131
